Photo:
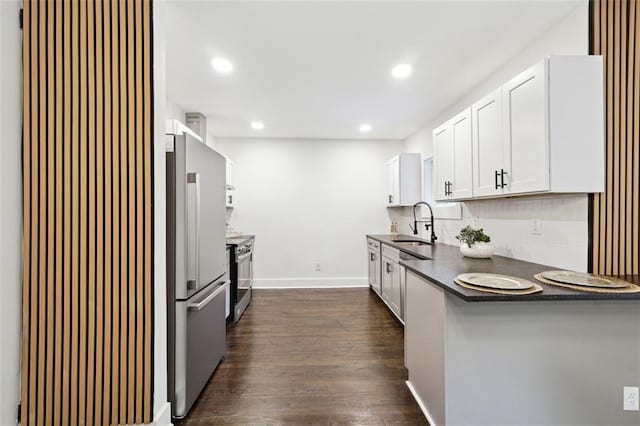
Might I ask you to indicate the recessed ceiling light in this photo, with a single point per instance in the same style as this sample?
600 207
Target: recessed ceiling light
257 125
222 65
365 128
402 70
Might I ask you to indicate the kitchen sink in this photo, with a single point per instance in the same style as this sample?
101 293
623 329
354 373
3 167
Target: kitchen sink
412 242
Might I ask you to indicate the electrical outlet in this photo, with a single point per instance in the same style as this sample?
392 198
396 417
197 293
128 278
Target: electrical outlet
631 402
536 227
318 266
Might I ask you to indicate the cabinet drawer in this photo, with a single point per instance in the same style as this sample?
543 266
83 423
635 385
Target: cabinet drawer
390 252
373 244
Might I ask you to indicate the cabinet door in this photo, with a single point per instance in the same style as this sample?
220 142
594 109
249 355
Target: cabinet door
443 160
462 166
395 171
230 173
393 182
370 262
395 290
488 152
403 290
387 279
374 270
525 131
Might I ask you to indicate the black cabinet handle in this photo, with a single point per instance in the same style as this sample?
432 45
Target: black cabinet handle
502 173
230 199
390 198
496 179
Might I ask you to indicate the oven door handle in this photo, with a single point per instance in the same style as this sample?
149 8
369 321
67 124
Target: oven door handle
204 302
244 257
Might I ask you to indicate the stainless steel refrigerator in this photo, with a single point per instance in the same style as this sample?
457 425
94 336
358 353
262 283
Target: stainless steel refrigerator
196 267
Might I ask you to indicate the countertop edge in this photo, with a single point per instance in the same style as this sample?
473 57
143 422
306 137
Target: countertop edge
488 297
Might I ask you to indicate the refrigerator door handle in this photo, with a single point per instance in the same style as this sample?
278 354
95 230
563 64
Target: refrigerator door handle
193 306
193 230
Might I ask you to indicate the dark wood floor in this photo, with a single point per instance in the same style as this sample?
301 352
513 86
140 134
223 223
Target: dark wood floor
311 357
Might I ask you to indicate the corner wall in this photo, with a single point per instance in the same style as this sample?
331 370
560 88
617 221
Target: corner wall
10 209
564 239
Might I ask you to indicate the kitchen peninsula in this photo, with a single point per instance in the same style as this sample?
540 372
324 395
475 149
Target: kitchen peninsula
556 357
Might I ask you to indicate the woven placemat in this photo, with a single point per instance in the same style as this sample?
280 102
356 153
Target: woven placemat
535 289
631 289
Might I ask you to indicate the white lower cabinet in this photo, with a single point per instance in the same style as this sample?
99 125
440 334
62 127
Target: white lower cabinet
386 275
391 293
374 262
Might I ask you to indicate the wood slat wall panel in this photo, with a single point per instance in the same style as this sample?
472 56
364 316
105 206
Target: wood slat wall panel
87 244
615 235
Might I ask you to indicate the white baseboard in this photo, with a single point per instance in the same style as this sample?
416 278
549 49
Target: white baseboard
163 418
420 404
272 283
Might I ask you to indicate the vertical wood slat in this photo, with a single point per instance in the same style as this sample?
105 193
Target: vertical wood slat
100 270
66 281
615 233
42 217
636 143
26 200
75 237
131 244
108 224
59 214
91 212
139 297
87 244
147 141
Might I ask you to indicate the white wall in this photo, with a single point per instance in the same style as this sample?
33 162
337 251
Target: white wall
10 209
309 201
161 408
564 238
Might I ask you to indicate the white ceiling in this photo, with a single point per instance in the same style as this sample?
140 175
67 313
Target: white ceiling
319 69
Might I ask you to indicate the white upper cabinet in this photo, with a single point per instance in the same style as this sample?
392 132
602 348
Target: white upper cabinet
453 159
230 184
488 147
443 161
526 146
540 132
403 180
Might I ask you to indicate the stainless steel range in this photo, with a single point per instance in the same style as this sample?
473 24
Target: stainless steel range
241 267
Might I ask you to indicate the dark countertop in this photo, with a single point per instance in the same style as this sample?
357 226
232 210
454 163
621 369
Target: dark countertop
446 262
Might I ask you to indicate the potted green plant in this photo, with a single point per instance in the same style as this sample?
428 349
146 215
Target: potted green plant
475 243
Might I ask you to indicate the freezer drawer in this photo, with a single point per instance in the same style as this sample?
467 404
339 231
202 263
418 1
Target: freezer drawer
201 327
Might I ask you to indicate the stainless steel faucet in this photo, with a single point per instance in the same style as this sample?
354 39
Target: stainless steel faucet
428 224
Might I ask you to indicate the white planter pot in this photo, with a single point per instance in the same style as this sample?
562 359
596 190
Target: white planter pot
477 250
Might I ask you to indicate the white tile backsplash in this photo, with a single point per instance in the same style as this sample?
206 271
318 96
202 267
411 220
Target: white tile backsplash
563 241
